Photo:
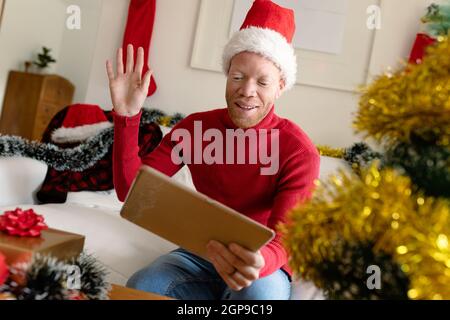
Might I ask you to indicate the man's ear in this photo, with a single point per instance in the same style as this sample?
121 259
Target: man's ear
281 87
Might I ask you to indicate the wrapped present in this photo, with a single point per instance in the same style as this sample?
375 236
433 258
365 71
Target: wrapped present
59 244
24 233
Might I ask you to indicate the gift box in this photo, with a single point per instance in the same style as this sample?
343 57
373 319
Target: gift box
59 244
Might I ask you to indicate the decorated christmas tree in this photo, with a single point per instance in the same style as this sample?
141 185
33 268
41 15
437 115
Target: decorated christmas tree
437 19
382 231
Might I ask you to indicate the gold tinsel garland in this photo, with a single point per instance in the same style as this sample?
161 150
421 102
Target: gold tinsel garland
164 121
415 100
381 207
331 152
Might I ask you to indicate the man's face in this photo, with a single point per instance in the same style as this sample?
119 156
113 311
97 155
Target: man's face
253 85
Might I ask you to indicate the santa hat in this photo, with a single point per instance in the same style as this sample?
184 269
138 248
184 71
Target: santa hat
268 30
81 122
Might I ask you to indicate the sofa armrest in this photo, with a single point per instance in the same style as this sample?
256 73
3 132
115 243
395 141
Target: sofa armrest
20 178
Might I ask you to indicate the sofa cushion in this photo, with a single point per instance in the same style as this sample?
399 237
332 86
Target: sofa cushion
20 178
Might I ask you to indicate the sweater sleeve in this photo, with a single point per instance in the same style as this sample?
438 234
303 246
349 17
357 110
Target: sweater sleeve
126 160
295 185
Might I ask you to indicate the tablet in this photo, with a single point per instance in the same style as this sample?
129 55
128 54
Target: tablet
188 218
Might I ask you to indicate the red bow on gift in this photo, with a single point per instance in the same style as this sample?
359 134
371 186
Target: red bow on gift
22 223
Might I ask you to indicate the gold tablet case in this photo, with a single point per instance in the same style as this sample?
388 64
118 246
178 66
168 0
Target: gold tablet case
187 218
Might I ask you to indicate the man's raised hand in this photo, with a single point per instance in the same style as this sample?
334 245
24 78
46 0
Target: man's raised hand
128 87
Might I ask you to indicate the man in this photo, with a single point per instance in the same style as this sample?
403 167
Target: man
260 65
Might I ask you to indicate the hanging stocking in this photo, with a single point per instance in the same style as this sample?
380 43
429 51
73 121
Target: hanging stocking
420 45
138 31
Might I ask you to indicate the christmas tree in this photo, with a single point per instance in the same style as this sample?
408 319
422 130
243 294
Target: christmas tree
391 217
437 19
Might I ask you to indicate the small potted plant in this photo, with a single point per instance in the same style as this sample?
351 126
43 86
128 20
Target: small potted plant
44 59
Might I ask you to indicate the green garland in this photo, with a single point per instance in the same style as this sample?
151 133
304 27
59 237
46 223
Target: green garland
47 278
81 157
347 275
428 165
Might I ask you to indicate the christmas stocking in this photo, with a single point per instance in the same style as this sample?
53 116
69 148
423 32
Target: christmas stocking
138 31
419 48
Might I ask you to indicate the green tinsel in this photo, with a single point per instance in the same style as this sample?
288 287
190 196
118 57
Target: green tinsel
44 280
428 165
360 155
93 277
47 278
79 158
346 276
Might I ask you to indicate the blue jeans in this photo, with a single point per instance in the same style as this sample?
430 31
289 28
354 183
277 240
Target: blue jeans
183 275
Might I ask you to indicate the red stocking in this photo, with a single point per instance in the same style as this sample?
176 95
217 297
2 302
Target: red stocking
138 32
419 48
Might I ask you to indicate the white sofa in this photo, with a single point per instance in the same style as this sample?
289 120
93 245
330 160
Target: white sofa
120 246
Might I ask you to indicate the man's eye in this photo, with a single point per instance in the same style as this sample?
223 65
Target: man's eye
263 83
237 78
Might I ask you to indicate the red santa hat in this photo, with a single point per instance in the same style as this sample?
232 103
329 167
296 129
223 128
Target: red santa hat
81 122
268 30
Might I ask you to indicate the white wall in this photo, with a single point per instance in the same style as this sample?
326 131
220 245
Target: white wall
109 37
25 30
78 47
30 24
326 115
400 26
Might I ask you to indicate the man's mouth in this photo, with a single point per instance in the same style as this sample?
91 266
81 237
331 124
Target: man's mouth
245 106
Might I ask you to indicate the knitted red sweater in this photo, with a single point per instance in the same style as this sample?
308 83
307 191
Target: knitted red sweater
264 198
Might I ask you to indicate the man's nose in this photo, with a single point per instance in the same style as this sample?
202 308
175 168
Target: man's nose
248 88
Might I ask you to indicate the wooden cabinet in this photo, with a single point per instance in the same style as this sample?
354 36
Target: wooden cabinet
31 100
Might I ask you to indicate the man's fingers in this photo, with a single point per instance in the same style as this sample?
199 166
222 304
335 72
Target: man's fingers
119 61
147 77
240 279
130 58
109 70
224 275
229 261
223 265
139 61
248 272
229 281
231 258
249 257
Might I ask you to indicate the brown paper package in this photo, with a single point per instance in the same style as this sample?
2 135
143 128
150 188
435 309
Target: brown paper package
59 244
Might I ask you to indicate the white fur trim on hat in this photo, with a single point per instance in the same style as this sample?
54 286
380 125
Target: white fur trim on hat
268 43
77 134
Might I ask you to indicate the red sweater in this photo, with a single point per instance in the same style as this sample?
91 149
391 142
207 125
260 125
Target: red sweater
264 198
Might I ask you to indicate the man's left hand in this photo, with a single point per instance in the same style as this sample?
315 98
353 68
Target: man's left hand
237 266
